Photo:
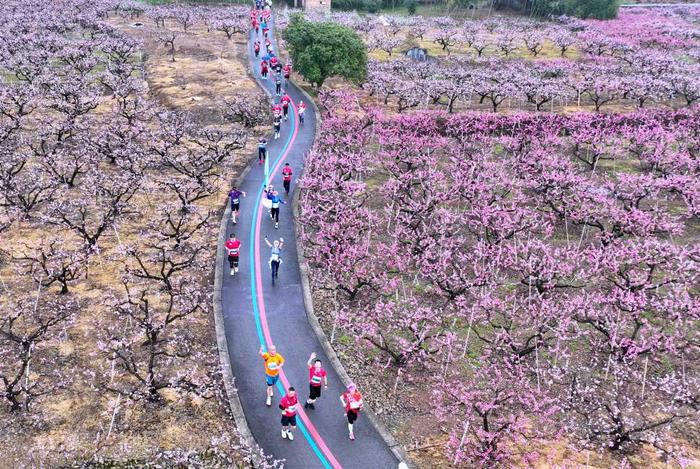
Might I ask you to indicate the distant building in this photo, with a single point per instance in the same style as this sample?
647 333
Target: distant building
324 5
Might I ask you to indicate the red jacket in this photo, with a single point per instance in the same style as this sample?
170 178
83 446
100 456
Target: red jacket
287 173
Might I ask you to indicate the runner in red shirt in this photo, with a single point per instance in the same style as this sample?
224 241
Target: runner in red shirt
285 100
352 401
256 48
286 177
316 375
277 110
289 404
287 69
263 69
233 248
273 62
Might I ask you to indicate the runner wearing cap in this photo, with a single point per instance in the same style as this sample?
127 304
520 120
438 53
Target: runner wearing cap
352 402
275 208
316 375
273 364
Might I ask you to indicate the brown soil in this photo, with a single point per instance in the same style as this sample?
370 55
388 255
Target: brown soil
76 420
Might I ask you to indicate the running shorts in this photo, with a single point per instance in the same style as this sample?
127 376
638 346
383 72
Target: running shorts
272 380
235 207
289 421
314 391
352 416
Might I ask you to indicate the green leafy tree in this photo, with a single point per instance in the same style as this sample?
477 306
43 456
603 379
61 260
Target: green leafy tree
322 50
600 9
411 6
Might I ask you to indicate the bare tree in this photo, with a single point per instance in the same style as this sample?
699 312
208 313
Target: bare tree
26 328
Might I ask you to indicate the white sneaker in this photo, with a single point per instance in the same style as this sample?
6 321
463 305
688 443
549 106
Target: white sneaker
352 436
284 434
236 269
231 271
277 225
290 436
268 401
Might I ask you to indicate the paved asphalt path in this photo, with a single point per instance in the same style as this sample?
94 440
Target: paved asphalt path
256 312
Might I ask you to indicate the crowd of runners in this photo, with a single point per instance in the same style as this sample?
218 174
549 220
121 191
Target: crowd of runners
272 68
350 400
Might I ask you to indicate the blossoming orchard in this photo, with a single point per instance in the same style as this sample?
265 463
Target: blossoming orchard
500 241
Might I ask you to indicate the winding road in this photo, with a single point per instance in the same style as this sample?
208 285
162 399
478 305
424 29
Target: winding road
255 313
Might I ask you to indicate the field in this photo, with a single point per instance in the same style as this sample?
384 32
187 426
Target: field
116 164
497 241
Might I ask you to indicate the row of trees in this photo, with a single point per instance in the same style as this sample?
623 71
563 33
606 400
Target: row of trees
635 28
643 79
102 189
506 263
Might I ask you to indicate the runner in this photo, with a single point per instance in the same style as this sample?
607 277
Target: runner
254 22
235 197
285 104
262 149
256 48
352 401
316 374
263 69
233 247
268 44
277 110
287 69
273 364
275 259
276 201
277 123
301 108
274 61
289 404
278 68
286 177
278 92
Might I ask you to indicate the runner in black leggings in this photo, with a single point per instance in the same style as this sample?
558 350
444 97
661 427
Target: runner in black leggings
275 259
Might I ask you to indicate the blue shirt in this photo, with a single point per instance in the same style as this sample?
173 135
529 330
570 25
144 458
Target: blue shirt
275 200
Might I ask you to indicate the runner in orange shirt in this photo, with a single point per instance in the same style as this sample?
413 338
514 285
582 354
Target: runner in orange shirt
273 364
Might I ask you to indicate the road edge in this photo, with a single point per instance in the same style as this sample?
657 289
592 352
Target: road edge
383 431
234 401
221 340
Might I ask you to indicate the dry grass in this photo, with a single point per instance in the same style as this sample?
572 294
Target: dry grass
208 67
75 420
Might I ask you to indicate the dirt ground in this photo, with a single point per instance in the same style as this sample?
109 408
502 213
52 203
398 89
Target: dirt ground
81 421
